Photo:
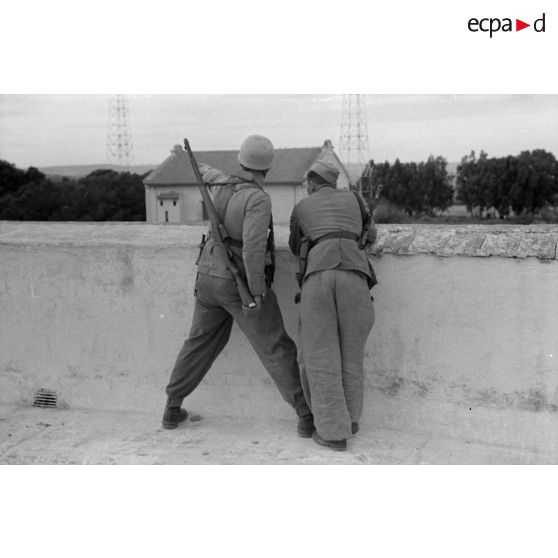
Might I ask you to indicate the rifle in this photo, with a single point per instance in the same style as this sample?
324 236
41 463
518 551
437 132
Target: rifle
220 234
372 203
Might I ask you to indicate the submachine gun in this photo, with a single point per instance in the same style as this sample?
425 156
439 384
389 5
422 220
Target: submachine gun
220 234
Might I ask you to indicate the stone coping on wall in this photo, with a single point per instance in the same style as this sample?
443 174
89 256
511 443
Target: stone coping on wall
509 241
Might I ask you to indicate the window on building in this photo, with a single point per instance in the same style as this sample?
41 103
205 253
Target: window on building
161 202
166 216
174 203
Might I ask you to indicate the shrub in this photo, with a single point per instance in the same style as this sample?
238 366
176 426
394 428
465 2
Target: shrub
387 212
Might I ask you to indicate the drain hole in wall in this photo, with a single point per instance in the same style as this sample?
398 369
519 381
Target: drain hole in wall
45 398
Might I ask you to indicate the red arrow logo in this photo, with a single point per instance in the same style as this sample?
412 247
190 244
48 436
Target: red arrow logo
519 25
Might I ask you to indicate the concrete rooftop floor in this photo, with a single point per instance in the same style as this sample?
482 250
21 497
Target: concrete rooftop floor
31 435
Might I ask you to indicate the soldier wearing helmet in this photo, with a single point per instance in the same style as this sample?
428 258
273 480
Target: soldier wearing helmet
336 310
244 208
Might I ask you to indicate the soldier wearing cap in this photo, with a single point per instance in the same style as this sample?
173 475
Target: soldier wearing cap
336 309
246 215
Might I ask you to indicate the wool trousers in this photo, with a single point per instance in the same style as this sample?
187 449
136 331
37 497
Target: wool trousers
336 317
217 305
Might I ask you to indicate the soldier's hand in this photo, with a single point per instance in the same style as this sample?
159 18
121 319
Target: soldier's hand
203 168
251 310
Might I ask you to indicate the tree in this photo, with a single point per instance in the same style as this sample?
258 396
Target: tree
473 182
103 195
11 178
536 183
438 191
38 201
524 183
417 188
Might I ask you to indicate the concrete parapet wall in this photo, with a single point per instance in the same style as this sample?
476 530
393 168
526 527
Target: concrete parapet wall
463 343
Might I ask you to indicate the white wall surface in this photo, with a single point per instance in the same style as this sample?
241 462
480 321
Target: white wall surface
97 312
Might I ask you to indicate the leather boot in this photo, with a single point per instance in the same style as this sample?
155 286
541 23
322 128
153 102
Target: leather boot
305 426
173 416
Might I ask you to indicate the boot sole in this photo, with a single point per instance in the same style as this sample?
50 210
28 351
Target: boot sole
304 434
170 425
325 444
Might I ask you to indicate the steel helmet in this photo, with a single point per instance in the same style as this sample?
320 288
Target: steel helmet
256 152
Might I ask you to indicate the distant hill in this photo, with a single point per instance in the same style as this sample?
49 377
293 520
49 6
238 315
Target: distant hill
78 171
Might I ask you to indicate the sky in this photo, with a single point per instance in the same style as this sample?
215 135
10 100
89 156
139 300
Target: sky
60 129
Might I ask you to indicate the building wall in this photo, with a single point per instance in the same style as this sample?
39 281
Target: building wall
168 211
150 205
283 200
465 341
189 205
188 208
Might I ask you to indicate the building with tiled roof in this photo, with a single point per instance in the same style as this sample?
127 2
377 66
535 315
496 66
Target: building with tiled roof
172 195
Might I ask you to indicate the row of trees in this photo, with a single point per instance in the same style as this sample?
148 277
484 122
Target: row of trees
103 195
525 184
418 188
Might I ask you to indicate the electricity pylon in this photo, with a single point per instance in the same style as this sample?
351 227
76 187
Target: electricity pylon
353 140
120 150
